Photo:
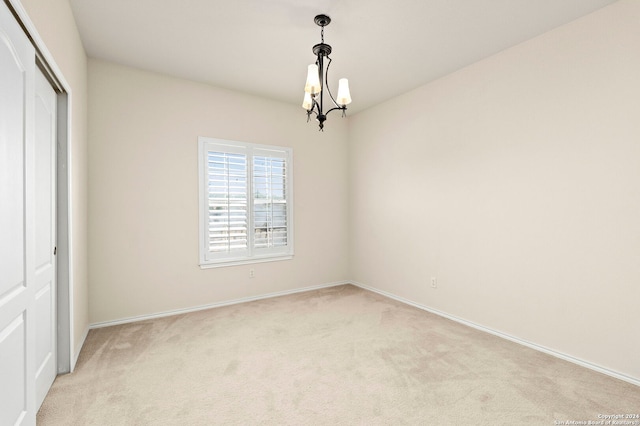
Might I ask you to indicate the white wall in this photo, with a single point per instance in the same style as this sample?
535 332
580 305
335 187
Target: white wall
56 26
516 182
143 201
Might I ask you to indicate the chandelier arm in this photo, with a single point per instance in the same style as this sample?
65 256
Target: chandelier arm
326 83
343 108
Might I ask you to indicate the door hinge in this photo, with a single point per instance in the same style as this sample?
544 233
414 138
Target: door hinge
55 250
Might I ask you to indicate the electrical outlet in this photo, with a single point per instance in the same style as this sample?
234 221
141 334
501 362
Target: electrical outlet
434 282
252 273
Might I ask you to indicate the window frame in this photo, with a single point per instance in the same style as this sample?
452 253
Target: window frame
210 259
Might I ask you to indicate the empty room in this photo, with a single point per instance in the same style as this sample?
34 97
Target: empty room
304 212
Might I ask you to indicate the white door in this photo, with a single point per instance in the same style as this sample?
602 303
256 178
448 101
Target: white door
17 225
45 234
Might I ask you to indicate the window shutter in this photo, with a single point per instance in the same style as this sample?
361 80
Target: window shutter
227 202
270 217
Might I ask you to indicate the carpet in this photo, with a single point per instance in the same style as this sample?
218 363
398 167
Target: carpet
336 356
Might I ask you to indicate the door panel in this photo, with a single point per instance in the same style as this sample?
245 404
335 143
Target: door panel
45 236
13 369
17 268
12 87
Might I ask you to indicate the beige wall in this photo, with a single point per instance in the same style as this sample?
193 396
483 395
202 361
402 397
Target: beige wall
56 26
143 201
516 182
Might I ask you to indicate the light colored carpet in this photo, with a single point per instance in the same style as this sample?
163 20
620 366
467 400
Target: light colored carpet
337 356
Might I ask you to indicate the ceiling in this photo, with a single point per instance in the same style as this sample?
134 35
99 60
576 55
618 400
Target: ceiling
263 47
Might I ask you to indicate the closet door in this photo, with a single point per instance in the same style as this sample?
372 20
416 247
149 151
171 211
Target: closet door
45 234
17 230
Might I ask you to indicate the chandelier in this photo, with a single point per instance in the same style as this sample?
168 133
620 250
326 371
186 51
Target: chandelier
317 76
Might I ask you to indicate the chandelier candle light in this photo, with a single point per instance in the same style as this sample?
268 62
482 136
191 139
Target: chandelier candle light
317 81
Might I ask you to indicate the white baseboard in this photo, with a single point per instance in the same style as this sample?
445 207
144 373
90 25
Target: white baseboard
213 305
582 363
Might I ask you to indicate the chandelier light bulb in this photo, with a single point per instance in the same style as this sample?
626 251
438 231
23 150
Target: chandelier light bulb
313 80
344 97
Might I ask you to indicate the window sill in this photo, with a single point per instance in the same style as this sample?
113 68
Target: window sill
224 263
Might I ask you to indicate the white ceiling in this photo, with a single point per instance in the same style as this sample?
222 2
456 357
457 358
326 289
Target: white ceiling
263 47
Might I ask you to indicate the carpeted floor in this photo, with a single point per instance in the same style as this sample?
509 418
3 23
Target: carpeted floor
337 356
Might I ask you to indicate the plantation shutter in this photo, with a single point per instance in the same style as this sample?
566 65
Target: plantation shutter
270 204
227 202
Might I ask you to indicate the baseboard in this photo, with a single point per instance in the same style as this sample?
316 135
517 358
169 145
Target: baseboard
531 345
213 305
78 348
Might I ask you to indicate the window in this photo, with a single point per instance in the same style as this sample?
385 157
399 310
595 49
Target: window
246 207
